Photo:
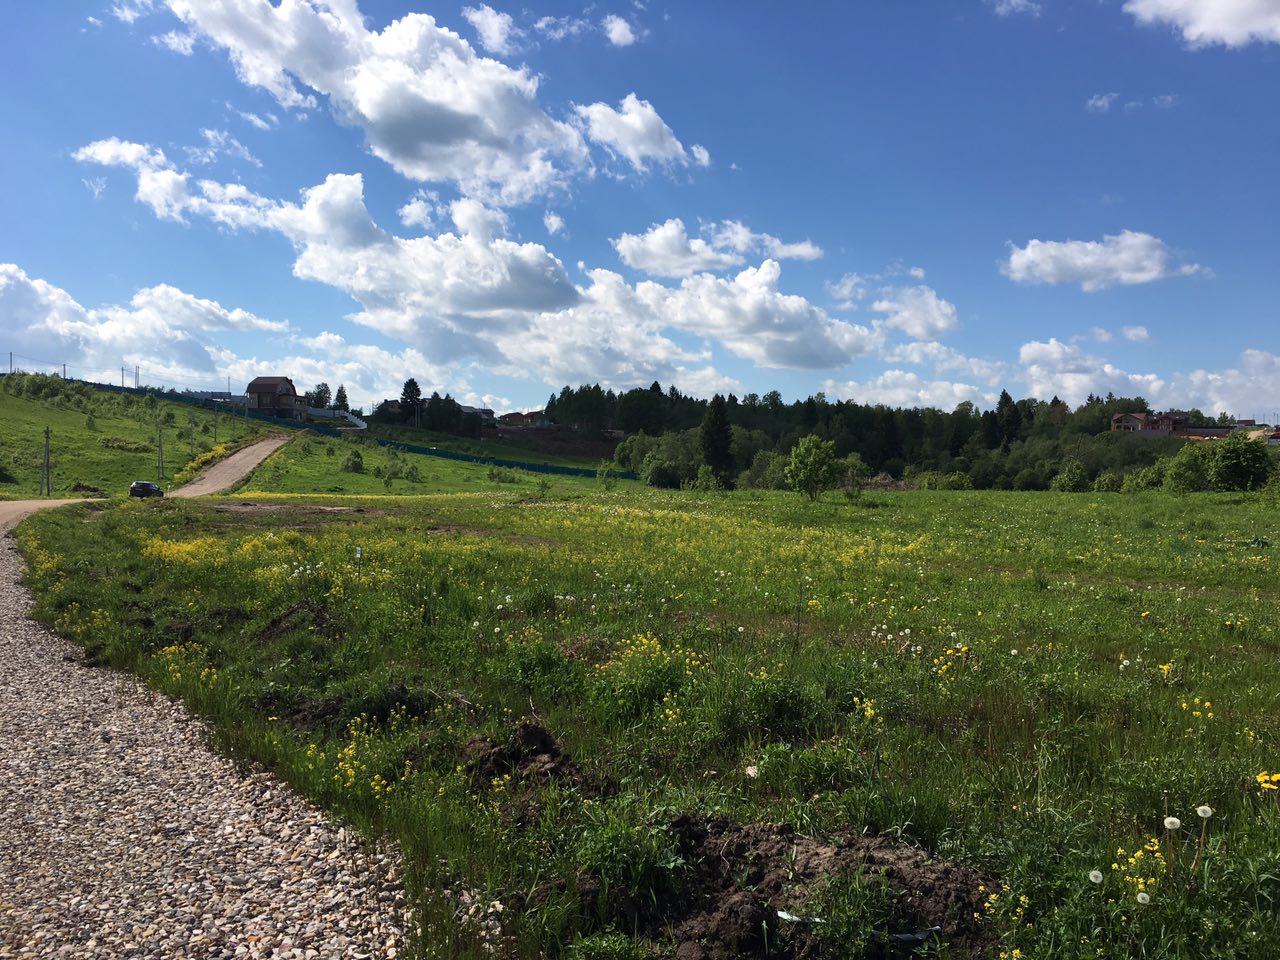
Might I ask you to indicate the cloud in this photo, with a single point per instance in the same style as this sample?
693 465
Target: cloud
1121 259
219 143
666 250
901 388
161 328
732 235
751 318
558 28
618 31
128 11
497 31
1007 8
261 122
1053 368
1165 101
553 222
472 295
1231 23
180 43
944 359
1100 102
636 133
1135 334
427 103
421 209
95 185
849 290
917 311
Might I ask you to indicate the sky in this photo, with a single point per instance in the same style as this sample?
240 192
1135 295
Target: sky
912 203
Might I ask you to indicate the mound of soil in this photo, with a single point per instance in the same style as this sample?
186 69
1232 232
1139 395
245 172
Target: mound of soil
742 875
532 754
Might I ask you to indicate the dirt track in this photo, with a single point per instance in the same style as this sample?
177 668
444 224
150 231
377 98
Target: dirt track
226 472
12 512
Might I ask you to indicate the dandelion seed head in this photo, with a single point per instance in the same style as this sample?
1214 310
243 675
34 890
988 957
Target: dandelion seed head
1172 823
1095 876
1204 811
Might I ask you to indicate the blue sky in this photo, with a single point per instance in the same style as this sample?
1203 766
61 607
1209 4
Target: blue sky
910 203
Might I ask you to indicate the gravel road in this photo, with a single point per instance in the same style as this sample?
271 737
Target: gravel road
123 835
226 472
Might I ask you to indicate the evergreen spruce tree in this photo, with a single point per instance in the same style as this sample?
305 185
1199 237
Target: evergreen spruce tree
715 440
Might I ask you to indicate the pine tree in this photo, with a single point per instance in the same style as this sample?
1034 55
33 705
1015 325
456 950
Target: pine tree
715 440
340 399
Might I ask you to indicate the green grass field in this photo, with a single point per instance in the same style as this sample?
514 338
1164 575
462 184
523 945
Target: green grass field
642 721
318 464
99 440
488 447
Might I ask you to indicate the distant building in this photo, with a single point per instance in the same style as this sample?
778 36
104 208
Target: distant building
535 418
276 397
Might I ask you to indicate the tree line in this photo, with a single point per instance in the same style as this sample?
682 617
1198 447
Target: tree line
1023 444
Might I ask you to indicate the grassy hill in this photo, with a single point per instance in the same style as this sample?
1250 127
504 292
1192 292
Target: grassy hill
100 440
350 466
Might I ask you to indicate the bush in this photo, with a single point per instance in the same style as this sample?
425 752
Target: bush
126 445
1071 478
1144 478
1238 463
658 472
502 475
353 463
1107 482
1188 471
706 479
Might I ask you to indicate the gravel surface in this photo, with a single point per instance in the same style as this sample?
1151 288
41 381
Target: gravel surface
123 835
226 472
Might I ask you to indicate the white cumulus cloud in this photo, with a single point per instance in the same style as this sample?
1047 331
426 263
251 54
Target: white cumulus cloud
1231 23
667 250
618 31
428 104
1119 259
902 388
498 33
917 311
634 132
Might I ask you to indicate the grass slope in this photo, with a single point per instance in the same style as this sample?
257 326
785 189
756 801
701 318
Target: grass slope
535 695
99 439
319 464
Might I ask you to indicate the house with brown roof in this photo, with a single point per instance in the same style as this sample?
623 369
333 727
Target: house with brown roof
276 397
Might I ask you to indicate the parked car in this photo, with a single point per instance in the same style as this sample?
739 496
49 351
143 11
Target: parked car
145 488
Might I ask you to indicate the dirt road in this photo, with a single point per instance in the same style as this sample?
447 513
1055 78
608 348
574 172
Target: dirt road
226 472
12 512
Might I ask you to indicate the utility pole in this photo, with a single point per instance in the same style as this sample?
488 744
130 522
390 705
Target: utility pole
46 473
135 376
215 426
191 432
160 451
122 378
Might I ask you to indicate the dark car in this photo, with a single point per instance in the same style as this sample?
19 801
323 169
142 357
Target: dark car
145 488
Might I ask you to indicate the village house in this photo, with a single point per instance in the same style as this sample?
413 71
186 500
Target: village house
523 421
276 397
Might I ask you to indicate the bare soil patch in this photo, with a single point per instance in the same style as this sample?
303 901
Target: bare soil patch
742 875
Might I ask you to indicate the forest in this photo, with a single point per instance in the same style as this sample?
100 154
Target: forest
1026 444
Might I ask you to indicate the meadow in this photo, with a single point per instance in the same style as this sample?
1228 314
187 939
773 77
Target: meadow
100 441
625 723
314 463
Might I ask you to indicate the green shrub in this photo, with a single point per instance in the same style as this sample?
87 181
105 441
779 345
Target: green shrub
353 463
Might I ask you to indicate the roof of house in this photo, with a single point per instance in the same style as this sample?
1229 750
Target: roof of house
265 384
